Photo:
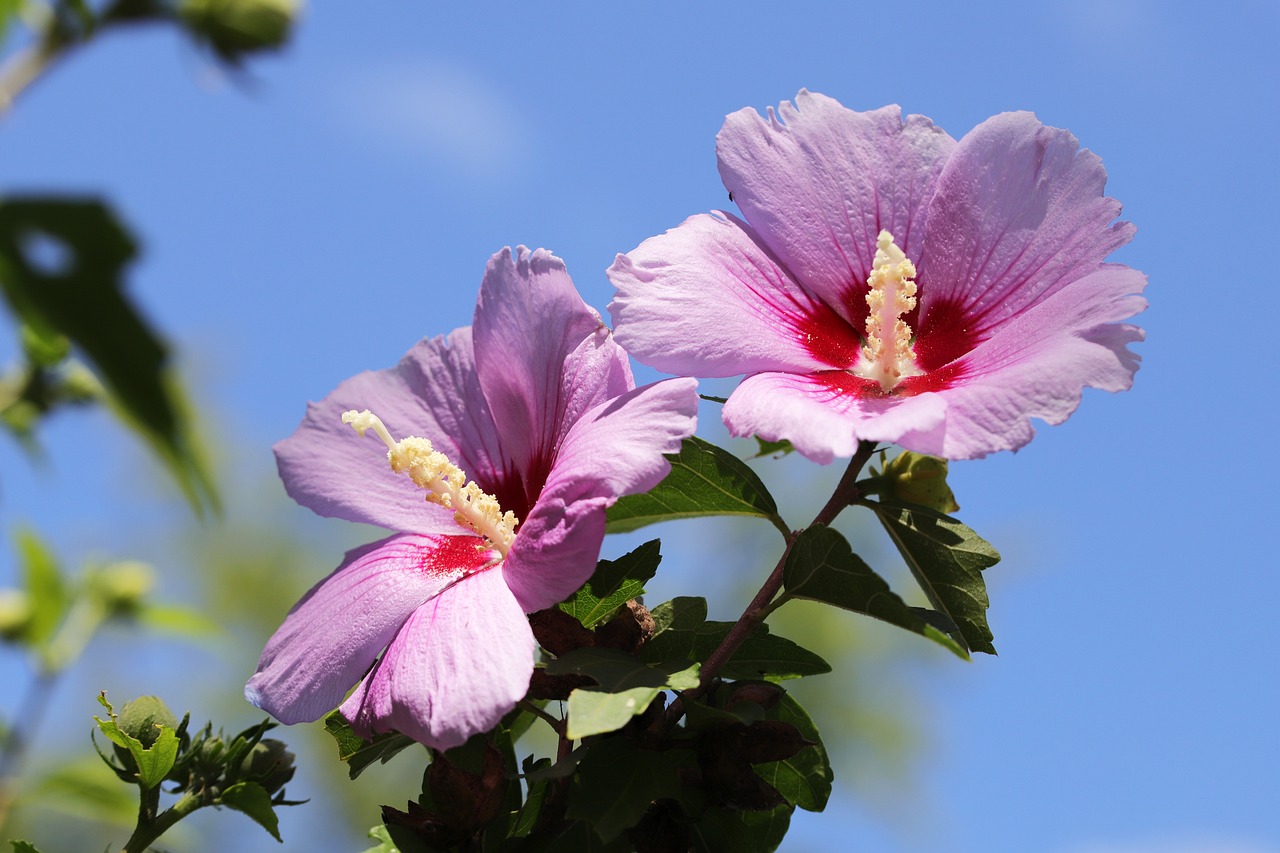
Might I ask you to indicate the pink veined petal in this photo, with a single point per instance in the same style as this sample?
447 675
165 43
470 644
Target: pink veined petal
459 664
819 182
528 320
1019 213
615 449
825 415
707 299
334 634
433 392
1038 363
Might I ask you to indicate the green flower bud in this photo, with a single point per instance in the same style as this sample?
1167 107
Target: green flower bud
233 28
918 479
269 763
15 613
124 585
143 717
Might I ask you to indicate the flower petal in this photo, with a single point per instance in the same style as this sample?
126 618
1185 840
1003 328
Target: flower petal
706 298
459 664
825 415
1038 363
528 321
1019 213
615 449
433 392
334 634
819 182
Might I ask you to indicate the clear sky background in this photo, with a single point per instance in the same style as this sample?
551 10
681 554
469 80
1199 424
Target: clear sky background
318 217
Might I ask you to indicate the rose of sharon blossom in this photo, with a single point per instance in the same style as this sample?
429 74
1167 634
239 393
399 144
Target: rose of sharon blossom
887 283
504 444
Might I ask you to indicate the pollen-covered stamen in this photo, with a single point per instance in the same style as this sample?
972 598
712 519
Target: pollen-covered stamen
443 481
887 357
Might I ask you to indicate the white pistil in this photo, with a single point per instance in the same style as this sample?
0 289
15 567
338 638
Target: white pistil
887 357
443 481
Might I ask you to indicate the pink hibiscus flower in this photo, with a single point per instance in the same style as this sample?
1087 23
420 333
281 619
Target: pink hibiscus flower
890 284
536 403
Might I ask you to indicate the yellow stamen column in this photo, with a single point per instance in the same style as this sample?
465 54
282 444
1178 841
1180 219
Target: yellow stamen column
443 481
887 357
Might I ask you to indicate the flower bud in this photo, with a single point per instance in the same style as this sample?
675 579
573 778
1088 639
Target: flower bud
123 586
919 479
269 763
143 717
15 613
234 28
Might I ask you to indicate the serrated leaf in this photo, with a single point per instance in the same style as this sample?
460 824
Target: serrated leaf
44 584
626 687
730 831
61 269
804 779
947 559
704 480
617 782
384 845
154 763
252 799
614 583
776 449
821 566
359 753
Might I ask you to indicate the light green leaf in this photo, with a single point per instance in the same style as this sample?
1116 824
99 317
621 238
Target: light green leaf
44 584
947 559
821 566
61 269
626 687
252 799
614 583
385 844
704 480
178 621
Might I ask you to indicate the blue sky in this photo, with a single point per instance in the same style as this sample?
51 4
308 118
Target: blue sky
319 217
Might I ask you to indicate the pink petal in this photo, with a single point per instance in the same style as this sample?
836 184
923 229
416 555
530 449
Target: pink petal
824 415
1019 213
529 320
706 298
615 449
459 664
818 182
334 634
433 392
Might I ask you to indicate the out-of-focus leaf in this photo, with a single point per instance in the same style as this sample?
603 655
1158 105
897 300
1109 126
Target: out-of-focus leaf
704 480
61 268
45 586
178 621
822 566
233 29
947 559
252 799
82 789
617 782
614 583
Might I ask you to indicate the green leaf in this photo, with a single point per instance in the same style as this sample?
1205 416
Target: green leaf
626 687
44 584
359 753
682 633
947 559
154 763
821 566
776 449
178 621
704 480
804 779
385 844
61 267
252 799
617 781
614 583
23 847
731 831
8 12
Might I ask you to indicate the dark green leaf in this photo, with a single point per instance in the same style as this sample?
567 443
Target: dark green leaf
731 831
947 559
617 782
821 566
44 584
804 779
614 583
527 818
704 480
359 753
627 686
682 632
23 847
252 799
61 263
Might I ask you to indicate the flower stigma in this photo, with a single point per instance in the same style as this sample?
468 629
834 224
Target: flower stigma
443 481
887 357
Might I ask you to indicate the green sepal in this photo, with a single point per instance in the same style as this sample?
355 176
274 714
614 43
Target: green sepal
821 566
947 559
614 583
704 480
